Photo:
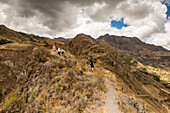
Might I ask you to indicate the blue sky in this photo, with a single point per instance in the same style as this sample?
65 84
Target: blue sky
118 24
52 37
168 8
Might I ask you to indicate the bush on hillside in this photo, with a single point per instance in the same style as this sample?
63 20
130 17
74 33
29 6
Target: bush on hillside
41 55
4 41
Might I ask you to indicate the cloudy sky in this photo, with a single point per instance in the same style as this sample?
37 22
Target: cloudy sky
146 19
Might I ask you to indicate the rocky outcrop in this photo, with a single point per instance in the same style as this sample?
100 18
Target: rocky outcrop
129 105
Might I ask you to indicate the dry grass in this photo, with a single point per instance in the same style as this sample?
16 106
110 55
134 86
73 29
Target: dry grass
14 46
164 75
62 86
41 54
130 81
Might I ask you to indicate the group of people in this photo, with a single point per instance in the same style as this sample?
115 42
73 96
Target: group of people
61 52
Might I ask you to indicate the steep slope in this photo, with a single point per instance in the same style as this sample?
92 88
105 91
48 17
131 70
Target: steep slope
132 82
147 54
15 52
49 83
6 33
11 64
20 38
127 43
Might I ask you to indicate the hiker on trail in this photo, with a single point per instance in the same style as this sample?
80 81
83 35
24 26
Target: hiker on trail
62 52
91 65
59 51
54 48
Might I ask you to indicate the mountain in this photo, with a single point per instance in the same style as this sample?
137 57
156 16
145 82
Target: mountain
130 44
133 48
10 34
19 39
61 39
36 79
15 50
147 54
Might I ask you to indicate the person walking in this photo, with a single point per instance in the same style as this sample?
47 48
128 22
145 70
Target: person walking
91 65
54 48
62 52
59 51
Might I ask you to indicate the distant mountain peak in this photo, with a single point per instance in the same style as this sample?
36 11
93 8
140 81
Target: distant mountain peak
60 38
106 34
124 43
84 36
81 35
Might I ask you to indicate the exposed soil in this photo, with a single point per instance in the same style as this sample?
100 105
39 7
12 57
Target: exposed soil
110 101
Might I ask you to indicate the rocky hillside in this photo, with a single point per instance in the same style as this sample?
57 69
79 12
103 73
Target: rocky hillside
61 39
127 43
15 53
130 48
11 64
50 83
8 35
147 54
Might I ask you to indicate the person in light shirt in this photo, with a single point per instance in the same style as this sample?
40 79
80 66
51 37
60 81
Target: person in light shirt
59 51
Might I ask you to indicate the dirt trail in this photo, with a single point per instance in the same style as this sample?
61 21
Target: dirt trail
110 101
111 105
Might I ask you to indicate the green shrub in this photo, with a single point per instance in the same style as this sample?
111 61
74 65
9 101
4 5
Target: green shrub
57 87
4 41
129 61
32 40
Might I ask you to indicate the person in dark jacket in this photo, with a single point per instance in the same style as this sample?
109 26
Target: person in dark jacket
91 65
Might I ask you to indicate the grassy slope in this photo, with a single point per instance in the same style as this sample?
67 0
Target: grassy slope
51 83
136 81
134 48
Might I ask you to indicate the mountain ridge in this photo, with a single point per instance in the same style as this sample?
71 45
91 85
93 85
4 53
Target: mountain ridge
117 39
135 39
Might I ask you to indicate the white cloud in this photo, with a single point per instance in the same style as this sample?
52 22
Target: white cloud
162 39
2 13
146 18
